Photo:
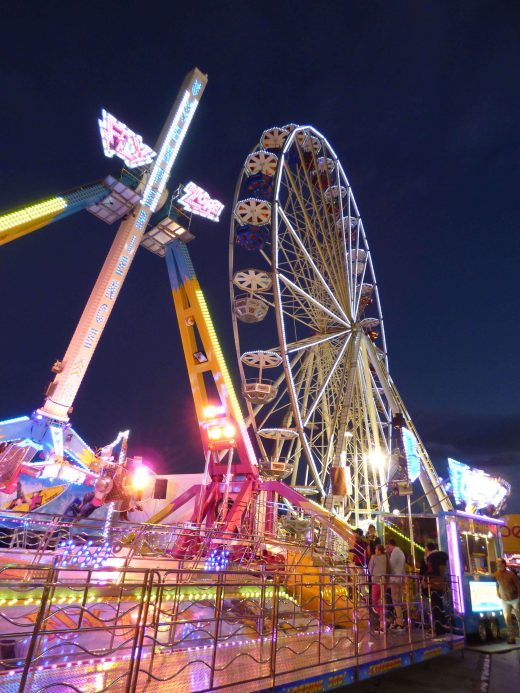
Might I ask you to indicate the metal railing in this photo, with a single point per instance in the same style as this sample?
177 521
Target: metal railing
204 629
36 539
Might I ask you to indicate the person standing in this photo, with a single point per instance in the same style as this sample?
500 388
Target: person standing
378 569
435 584
508 590
397 563
372 539
359 551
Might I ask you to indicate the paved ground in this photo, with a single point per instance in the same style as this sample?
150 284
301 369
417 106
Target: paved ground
486 669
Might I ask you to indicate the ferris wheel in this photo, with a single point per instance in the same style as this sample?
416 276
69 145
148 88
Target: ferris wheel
307 322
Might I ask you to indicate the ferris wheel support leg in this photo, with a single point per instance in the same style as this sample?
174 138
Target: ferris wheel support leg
430 482
345 410
381 486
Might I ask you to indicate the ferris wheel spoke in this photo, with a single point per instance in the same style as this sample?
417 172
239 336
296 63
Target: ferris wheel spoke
325 383
294 235
302 380
310 299
336 215
326 221
311 342
295 265
309 228
312 264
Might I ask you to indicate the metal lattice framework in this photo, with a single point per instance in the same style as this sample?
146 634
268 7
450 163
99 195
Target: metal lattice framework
303 271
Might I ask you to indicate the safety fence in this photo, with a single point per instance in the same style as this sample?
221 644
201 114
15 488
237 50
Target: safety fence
37 538
122 628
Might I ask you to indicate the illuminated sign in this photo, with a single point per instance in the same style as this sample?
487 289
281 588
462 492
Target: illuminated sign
484 596
197 201
118 139
179 122
476 488
411 451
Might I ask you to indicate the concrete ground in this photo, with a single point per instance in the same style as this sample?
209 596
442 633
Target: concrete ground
491 668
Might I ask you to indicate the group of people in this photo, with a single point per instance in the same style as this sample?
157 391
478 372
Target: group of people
386 567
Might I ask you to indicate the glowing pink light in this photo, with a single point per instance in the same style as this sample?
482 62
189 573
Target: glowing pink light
455 564
118 139
196 200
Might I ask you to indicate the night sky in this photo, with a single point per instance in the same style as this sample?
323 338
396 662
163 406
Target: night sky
420 101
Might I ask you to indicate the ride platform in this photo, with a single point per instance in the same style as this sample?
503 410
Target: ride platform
312 661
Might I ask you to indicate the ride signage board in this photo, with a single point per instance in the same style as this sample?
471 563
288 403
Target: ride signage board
476 488
411 451
196 200
119 140
484 596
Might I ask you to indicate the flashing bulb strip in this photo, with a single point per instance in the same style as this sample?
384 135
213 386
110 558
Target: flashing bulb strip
26 215
170 148
235 407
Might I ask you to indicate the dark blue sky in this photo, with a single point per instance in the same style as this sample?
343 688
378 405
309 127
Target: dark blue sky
420 100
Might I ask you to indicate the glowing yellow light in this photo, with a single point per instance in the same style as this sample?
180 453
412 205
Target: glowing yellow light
235 407
376 459
215 433
229 431
46 208
210 411
140 477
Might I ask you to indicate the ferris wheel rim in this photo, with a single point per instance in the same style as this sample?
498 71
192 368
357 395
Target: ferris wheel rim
283 342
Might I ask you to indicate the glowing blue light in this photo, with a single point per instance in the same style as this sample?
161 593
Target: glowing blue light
476 488
171 143
19 419
141 219
411 451
85 555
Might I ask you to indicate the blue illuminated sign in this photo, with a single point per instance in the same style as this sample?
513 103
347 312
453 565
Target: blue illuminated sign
411 451
484 596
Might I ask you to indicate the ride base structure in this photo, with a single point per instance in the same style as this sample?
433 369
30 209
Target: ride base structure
257 589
